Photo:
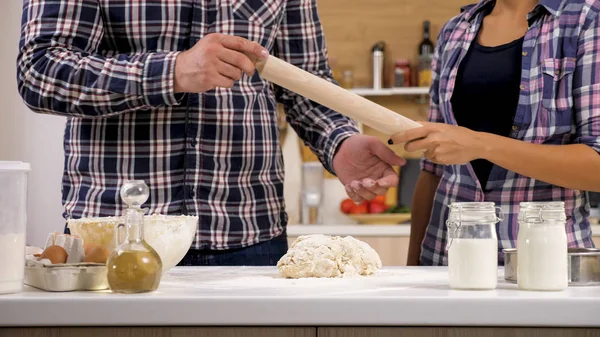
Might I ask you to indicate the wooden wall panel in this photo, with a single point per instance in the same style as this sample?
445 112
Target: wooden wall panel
352 27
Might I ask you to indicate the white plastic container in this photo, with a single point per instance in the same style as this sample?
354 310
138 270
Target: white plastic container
542 262
473 246
13 220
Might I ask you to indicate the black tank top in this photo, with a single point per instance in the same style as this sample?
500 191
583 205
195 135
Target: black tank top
486 93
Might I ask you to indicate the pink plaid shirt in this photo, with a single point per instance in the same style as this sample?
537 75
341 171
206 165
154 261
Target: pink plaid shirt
558 104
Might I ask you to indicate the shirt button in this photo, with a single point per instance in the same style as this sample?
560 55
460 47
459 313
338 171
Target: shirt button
522 87
193 142
524 53
515 128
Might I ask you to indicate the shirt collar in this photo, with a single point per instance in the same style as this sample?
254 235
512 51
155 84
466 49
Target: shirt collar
553 6
471 11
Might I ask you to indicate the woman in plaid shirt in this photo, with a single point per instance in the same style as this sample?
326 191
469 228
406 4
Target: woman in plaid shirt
514 117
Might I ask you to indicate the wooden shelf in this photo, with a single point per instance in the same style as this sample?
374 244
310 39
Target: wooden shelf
369 92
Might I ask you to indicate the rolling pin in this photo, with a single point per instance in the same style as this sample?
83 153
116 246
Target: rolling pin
332 96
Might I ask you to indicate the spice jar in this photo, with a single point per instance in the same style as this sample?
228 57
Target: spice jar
347 80
473 245
542 260
402 73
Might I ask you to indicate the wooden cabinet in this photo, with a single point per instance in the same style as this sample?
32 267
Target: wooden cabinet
159 332
455 332
299 332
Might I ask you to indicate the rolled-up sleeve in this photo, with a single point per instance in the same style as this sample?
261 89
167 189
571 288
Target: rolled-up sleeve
434 115
301 42
60 72
586 87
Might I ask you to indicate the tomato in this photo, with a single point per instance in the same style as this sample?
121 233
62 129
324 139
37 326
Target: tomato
347 206
362 208
376 208
380 199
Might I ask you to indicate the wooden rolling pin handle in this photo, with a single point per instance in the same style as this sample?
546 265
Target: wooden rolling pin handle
332 96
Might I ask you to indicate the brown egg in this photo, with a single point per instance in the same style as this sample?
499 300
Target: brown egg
87 247
56 254
98 254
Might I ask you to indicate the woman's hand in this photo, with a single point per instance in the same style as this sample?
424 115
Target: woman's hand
443 143
573 166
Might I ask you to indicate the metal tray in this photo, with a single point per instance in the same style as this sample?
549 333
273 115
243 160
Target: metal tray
584 266
60 278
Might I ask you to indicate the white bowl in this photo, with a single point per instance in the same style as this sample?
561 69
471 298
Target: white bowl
170 235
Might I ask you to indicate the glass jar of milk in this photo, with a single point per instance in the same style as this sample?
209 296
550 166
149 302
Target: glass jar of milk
473 245
542 260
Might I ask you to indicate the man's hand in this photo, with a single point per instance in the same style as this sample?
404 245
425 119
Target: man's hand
217 60
443 143
364 165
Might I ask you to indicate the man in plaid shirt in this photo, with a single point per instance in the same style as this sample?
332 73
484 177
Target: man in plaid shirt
165 91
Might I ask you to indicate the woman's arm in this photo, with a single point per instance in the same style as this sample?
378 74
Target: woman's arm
422 203
573 166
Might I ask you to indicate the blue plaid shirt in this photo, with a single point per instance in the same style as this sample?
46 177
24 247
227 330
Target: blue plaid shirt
558 104
108 66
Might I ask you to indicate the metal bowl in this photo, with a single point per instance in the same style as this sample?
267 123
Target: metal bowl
584 266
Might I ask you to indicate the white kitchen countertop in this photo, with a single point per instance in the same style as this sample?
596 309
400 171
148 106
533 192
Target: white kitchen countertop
365 230
233 296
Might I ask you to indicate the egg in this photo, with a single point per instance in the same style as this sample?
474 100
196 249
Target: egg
56 254
98 254
87 247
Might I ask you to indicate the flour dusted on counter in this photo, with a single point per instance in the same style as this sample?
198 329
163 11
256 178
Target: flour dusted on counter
12 261
249 279
328 256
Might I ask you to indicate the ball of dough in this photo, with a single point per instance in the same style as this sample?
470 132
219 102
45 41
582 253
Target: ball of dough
328 256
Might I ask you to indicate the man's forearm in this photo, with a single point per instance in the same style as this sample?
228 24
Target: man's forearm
422 204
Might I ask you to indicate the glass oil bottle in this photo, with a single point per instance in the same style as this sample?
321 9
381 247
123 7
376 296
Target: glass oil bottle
134 266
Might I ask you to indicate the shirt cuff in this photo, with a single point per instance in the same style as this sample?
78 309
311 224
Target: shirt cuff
431 167
332 144
158 81
591 141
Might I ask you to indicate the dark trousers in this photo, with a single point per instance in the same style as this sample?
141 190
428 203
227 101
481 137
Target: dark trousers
262 254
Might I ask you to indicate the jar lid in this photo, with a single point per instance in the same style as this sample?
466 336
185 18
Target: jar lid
402 62
14 166
477 212
538 212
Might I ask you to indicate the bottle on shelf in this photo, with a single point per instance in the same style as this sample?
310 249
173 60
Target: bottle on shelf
378 52
426 48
